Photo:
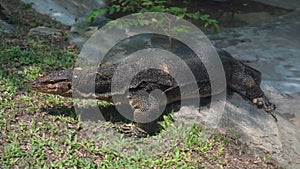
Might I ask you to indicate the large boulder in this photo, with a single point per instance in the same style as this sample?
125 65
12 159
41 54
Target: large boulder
65 11
259 131
254 128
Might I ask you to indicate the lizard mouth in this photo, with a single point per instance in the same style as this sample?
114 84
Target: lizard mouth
62 88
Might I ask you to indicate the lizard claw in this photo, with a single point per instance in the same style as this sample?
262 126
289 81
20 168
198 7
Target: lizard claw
274 115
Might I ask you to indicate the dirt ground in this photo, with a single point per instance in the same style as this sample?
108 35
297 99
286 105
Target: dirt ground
22 17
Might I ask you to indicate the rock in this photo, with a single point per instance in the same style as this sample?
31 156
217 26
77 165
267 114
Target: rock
261 133
254 128
83 29
44 31
5 27
287 105
287 4
65 11
254 17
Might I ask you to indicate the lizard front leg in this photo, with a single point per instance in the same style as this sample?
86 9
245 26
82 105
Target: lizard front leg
246 82
145 113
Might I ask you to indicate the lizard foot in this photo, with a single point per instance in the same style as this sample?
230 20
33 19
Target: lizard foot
132 131
263 102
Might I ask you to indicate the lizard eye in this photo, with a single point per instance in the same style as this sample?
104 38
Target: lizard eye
33 84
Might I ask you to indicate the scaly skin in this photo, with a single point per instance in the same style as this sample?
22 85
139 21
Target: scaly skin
239 78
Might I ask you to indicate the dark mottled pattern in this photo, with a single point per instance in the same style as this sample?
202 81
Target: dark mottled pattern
239 78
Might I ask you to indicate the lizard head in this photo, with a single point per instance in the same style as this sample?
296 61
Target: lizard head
59 82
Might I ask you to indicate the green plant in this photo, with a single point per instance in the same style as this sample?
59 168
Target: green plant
267 158
27 5
141 6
